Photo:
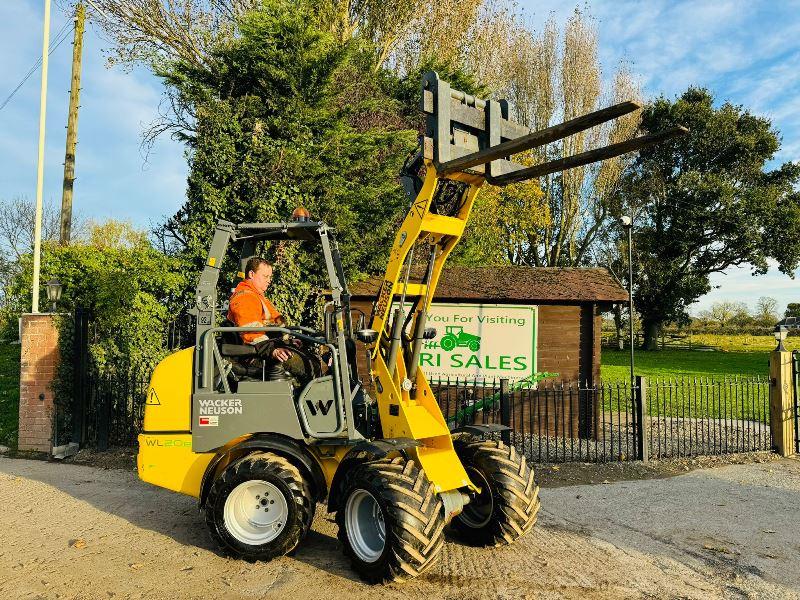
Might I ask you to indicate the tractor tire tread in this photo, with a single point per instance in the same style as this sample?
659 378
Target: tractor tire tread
514 492
413 514
251 466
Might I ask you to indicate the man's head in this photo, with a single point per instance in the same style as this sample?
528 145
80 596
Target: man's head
259 273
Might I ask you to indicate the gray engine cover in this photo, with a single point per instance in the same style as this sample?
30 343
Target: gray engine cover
257 407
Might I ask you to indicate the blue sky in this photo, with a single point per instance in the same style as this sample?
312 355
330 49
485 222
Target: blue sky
747 52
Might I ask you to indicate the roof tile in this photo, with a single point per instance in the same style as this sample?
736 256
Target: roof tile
515 283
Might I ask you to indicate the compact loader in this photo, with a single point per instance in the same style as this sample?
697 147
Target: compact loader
260 447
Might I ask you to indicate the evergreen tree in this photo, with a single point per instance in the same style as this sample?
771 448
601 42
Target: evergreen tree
287 115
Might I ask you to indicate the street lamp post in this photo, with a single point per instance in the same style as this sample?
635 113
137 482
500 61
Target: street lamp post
37 226
627 225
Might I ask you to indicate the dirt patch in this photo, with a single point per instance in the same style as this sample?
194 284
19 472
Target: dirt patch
79 532
553 476
113 458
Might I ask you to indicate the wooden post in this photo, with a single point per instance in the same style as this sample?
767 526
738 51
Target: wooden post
72 127
781 402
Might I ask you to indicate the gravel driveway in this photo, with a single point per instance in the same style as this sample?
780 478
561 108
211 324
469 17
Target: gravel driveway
71 531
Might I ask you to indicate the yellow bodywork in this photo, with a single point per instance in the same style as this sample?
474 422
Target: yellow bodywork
165 455
420 418
165 447
168 461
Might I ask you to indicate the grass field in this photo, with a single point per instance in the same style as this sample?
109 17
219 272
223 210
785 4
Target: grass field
739 355
679 379
9 393
683 363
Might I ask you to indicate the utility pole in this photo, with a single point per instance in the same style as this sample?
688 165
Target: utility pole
72 127
37 227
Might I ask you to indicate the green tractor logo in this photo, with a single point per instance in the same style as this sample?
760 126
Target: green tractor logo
457 337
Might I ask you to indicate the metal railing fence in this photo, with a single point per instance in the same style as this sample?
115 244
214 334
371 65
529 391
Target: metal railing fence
659 418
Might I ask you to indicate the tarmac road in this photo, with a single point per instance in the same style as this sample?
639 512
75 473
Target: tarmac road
71 531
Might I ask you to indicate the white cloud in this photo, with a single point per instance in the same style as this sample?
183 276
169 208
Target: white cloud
747 52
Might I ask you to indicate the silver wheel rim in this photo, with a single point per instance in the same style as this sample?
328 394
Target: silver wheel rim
366 529
255 512
478 514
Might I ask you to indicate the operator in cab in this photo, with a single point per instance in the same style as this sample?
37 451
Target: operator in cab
249 307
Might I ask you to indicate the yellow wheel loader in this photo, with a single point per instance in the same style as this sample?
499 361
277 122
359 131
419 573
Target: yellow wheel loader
260 447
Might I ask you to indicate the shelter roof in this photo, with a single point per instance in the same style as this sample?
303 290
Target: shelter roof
504 284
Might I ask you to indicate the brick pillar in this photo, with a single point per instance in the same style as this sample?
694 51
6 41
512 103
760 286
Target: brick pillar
38 363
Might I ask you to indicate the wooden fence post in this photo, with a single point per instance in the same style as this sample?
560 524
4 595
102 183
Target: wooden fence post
505 411
642 442
781 402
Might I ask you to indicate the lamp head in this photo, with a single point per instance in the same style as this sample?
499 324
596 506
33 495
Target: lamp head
781 331
54 290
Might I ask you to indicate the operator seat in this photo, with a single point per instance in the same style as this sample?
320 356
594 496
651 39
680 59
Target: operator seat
246 364
243 358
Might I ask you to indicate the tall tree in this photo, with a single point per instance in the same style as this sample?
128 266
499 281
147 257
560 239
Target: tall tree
705 202
766 311
402 33
725 312
549 77
792 310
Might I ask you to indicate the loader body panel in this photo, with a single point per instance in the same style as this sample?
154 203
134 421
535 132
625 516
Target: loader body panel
169 399
167 460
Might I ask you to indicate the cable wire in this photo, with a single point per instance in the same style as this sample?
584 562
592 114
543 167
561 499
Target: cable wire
58 39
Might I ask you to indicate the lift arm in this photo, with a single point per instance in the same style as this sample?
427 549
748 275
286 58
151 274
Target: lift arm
467 141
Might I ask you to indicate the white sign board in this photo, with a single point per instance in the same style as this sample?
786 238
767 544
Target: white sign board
480 341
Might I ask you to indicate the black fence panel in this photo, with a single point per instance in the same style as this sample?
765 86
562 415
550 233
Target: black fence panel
699 416
549 423
661 418
115 408
107 408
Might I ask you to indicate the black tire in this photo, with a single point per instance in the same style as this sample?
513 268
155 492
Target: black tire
290 483
413 517
508 504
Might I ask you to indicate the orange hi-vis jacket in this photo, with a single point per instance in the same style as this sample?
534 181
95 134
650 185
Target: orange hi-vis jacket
249 308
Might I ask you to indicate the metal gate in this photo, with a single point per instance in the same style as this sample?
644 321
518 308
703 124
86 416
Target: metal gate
107 406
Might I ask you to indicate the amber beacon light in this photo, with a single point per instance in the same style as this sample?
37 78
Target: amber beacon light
301 215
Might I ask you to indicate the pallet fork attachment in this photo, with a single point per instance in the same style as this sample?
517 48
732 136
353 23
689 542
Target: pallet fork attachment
467 141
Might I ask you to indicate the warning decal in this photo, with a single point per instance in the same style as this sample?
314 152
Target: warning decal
152 398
